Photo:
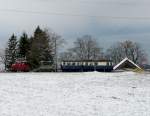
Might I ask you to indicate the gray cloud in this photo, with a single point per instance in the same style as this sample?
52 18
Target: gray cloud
71 27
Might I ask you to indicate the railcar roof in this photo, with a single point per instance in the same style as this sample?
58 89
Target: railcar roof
103 60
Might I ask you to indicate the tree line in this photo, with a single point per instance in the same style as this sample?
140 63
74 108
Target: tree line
87 48
35 49
43 46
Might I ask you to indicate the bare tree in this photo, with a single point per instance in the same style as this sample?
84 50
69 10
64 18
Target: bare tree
115 53
68 55
85 48
129 49
2 56
55 42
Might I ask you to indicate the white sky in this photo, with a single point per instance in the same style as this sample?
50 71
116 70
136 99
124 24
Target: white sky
107 31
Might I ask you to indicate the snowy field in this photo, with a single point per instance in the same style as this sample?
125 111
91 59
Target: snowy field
74 94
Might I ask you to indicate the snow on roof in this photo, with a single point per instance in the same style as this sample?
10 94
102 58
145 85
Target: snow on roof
124 60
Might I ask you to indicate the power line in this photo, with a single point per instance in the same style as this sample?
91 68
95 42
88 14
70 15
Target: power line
120 3
115 2
75 15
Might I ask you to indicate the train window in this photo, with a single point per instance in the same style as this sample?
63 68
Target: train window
108 63
96 63
83 63
77 63
90 63
86 63
102 63
73 63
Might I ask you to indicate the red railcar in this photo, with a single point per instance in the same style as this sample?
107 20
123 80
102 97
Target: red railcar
20 67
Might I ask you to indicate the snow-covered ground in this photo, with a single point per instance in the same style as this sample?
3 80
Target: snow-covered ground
74 94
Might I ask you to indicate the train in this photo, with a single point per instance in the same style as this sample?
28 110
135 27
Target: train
87 66
67 66
20 66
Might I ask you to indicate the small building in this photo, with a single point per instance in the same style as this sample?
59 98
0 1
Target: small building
126 64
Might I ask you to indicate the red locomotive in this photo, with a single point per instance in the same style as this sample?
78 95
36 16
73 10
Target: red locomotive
20 66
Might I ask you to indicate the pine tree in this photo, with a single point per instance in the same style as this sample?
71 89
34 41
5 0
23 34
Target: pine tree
40 48
23 47
11 52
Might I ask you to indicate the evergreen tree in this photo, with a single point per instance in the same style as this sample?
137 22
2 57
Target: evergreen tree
40 48
11 52
23 47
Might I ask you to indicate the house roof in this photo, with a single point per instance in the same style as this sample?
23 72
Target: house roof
126 60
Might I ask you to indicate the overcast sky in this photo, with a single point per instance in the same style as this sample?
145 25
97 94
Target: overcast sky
107 20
